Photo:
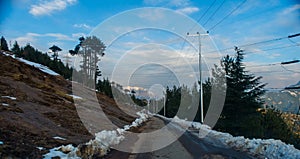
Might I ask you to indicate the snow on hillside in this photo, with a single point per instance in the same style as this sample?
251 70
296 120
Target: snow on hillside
297 85
263 148
102 142
39 66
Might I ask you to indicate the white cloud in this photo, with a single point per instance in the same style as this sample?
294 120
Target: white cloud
59 36
152 15
188 10
48 7
32 37
291 9
170 3
83 26
28 38
179 3
78 35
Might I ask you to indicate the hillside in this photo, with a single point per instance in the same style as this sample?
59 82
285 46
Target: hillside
37 112
283 100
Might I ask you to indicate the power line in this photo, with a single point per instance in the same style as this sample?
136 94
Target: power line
252 52
206 11
227 15
214 12
289 69
256 43
250 16
272 64
276 48
294 42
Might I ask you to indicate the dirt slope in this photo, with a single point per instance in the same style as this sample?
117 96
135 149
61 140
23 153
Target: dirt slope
42 110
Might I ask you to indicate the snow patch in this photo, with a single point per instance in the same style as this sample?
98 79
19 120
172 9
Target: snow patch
58 138
74 96
102 142
293 94
40 148
62 152
39 66
266 148
12 98
5 104
55 153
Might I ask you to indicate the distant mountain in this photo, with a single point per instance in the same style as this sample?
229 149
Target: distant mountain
286 100
294 86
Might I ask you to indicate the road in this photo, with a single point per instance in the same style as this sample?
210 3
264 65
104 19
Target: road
188 146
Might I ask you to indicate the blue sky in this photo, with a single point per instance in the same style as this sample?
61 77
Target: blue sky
60 22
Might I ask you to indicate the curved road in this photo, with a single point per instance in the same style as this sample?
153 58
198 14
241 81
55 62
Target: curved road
188 146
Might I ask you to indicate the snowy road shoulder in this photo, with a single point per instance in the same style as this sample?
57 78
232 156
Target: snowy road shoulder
103 141
261 148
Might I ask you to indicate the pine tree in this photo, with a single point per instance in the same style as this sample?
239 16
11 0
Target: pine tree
240 114
3 44
55 49
91 49
16 49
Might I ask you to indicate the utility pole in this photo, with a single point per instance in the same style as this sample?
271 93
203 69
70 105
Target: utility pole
164 103
67 59
200 73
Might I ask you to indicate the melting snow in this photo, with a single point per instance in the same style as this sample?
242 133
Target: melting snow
58 138
12 98
40 148
268 148
103 140
55 153
75 97
39 66
5 104
293 94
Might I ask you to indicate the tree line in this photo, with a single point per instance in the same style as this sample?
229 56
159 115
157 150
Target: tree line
242 113
29 53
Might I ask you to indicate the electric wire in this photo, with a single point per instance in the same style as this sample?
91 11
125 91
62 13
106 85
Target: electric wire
227 15
206 11
214 13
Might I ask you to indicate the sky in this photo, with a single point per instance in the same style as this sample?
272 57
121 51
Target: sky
147 42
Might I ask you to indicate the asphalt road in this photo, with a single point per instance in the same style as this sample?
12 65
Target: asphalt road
188 146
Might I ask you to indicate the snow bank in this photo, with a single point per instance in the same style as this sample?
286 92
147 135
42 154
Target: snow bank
266 148
62 152
39 66
101 144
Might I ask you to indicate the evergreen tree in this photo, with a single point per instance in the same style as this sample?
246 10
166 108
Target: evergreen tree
90 49
77 47
16 49
4 44
55 49
240 114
